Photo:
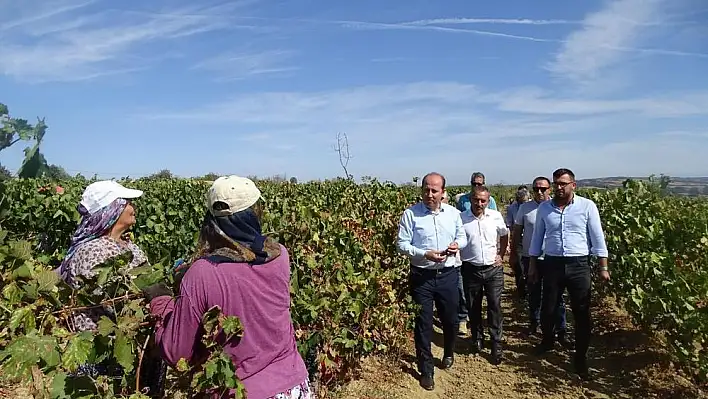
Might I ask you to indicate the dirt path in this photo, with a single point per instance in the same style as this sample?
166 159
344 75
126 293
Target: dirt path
626 363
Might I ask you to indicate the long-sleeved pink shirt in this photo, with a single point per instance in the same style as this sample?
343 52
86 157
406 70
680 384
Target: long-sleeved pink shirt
266 358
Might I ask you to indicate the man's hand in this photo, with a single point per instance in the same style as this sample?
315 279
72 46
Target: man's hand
532 275
604 275
453 248
498 260
435 256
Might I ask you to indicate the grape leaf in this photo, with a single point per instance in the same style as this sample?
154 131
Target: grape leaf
78 351
123 351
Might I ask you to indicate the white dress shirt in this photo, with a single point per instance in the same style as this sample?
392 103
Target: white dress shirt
482 236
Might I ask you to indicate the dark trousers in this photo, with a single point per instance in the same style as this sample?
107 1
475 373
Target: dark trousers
490 280
439 286
519 275
534 292
573 273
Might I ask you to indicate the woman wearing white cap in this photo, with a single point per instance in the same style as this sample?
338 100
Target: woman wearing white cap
248 276
106 215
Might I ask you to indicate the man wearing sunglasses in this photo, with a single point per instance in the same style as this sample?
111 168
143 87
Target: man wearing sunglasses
464 202
521 197
522 232
567 231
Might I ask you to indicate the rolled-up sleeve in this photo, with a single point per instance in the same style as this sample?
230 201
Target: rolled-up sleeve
404 242
598 246
539 232
176 332
502 230
460 234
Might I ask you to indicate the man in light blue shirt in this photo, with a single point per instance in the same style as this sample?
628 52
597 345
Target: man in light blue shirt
464 203
430 233
567 231
523 230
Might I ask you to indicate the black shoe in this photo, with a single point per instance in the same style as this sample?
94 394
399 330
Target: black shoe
478 346
427 382
563 340
496 354
533 329
447 362
542 348
581 368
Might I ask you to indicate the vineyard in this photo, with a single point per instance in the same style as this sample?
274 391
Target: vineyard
349 286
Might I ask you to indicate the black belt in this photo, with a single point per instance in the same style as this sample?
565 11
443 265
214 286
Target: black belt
480 267
432 272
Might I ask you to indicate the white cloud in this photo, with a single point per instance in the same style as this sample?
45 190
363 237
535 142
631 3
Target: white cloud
392 128
492 21
534 100
54 46
233 65
604 37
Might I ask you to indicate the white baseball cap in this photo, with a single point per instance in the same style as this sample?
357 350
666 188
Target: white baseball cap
100 194
238 193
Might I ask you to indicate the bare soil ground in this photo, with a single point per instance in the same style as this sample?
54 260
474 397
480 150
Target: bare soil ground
625 363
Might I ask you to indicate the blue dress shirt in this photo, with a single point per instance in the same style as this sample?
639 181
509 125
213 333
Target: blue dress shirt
574 231
421 230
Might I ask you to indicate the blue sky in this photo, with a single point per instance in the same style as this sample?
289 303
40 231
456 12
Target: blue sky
512 88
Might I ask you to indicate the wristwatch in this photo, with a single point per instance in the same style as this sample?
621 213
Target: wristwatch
604 269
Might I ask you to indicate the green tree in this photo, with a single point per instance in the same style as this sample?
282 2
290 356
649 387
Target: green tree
163 174
16 129
210 176
5 173
56 172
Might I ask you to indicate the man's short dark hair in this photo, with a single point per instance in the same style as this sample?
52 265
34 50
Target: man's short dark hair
562 171
539 178
476 175
480 189
522 187
433 174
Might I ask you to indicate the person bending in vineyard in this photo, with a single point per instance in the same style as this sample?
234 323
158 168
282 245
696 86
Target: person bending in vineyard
247 275
106 216
523 230
567 231
430 233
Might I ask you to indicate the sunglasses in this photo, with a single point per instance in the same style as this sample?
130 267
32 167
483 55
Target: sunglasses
477 184
541 189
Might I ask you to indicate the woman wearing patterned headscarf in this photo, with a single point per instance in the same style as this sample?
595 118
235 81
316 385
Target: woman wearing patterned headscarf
106 215
248 276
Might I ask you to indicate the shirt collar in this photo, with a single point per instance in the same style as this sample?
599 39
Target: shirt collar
572 201
482 216
430 211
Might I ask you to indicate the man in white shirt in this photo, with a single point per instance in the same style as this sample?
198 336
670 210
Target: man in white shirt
430 233
482 270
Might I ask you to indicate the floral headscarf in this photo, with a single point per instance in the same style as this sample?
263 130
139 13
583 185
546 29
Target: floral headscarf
92 226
